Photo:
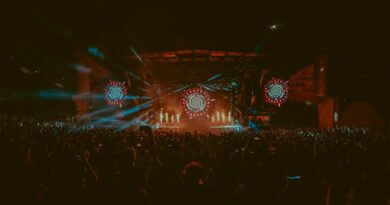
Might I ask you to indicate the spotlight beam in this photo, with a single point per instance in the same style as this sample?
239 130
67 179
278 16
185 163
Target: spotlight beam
136 55
123 113
207 88
97 112
214 77
143 89
132 97
180 89
55 94
133 121
138 78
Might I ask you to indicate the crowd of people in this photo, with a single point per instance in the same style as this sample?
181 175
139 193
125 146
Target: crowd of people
47 163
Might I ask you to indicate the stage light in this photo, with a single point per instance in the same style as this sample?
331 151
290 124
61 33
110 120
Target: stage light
274 27
59 85
80 68
237 127
98 112
212 118
143 89
253 126
136 54
145 122
115 92
138 78
276 91
161 117
135 121
55 94
172 119
166 117
335 116
217 116
94 51
214 77
180 89
223 116
178 118
26 71
229 116
195 102
122 113
207 88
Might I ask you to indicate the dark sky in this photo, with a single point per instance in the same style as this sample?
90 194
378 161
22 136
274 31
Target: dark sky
166 25
43 35
306 26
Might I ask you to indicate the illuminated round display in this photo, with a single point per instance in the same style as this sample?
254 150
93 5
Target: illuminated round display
276 91
196 102
115 93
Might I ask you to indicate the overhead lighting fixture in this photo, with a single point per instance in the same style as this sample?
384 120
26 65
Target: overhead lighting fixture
274 27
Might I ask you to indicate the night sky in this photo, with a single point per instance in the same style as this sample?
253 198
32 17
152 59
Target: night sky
43 36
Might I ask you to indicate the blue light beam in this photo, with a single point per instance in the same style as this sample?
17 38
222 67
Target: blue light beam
214 77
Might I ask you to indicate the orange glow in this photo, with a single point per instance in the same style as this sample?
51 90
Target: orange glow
168 54
217 53
178 118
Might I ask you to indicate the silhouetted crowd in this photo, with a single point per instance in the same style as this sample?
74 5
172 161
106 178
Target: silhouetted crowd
53 163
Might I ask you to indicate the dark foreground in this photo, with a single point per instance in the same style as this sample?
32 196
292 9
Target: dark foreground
43 164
